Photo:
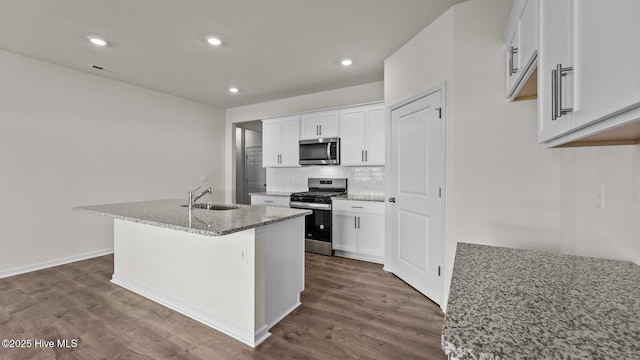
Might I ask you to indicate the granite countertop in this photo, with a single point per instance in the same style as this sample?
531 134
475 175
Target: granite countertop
361 197
520 304
169 214
272 193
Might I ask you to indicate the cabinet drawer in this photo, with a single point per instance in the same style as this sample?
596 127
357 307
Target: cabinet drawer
280 201
363 207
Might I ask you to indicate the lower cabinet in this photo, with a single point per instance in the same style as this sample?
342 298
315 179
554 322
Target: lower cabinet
358 230
267 200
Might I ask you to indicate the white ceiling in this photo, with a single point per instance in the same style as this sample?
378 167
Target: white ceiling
272 48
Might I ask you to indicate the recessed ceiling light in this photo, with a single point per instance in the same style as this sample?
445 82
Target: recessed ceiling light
97 41
214 41
233 90
346 62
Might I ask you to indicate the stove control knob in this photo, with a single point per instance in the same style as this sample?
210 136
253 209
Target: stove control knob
321 227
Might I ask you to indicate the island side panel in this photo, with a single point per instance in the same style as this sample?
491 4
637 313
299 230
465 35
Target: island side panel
279 269
203 277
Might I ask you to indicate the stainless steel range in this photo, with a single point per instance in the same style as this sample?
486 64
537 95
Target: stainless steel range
318 225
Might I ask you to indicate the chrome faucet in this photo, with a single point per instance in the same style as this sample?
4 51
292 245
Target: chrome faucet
193 198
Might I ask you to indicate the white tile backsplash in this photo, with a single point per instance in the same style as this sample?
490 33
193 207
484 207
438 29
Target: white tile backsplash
361 180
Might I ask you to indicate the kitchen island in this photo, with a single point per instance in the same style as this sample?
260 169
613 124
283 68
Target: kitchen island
521 304
239 270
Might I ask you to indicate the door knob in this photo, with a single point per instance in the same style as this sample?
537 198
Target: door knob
392 199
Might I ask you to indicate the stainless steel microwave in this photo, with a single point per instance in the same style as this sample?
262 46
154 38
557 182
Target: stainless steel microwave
324 151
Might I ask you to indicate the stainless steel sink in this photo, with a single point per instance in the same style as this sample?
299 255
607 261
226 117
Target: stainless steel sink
213 206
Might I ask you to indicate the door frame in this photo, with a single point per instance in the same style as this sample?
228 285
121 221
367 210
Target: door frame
247 197
442 87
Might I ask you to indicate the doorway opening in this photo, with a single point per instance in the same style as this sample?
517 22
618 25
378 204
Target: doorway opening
251 177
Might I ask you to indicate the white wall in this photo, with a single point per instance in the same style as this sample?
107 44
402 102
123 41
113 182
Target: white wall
359 94
501 187
68 138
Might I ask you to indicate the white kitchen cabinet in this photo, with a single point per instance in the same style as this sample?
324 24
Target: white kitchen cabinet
521 37
269 200
607 42
362 136
358 230
590 48
317 125
555 69
280 139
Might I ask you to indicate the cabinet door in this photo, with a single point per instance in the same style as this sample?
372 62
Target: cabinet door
352 136
290 154
375 140
512 62
528 36
556 48
328 123
309 127
345 232
371 235
607 39
271 142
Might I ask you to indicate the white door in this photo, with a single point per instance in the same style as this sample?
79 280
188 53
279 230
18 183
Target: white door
416 208
255 174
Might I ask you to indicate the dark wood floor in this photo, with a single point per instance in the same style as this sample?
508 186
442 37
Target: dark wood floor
350 310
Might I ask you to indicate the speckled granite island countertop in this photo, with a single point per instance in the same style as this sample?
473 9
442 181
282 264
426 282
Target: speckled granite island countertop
520 304
169 214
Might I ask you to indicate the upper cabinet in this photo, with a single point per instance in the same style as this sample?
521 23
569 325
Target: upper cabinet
521 37
319 125
362 136
280 137
588 69
360 129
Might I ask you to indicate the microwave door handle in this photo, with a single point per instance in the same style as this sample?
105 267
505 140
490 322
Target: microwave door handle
329 151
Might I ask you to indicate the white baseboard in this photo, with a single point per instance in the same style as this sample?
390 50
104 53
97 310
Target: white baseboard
250 338
52 263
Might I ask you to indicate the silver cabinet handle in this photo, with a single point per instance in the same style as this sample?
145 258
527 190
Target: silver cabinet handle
269 201
366 155
560 72
512 69
362 155
320 129
358 222
317 131
354 222
357 207
554 95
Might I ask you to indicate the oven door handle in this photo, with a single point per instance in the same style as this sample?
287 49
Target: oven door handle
310 206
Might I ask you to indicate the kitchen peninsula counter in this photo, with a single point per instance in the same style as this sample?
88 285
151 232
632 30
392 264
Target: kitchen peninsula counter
170 214
520 304
239 271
